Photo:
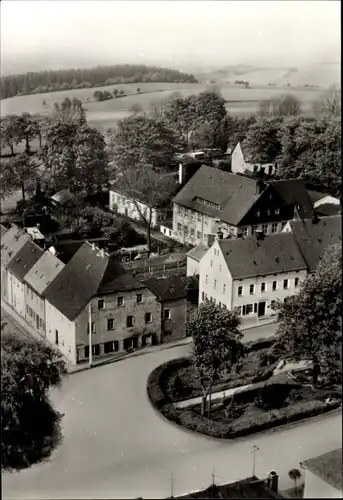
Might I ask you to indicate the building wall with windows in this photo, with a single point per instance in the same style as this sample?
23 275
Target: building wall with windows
126 206
18 294
174 314
121 321
35 310
239 165
60 332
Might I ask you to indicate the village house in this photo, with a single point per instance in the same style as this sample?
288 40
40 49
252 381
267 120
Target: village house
194 257
17 269
314 236
94 289
41 274
11 242
250 275
242 162
323 476
325 204
235 205
171 293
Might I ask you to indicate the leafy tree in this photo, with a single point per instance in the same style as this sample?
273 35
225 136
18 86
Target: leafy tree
287 105
29 129
294 475
151 186
329 103
180 116
20 172
236 129
311 322
157 107
138 90
262 140
202 138
30 426
98 95
216 342
11 132
115 92
121 92
43 122
140 142
211 111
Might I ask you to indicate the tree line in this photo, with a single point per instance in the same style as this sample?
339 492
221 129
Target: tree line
67 79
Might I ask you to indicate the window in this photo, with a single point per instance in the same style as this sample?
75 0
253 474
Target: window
268 212
179 227
254 229
285 284
211 263
129 321
206 220
258 213
220 268
186 231
96 349
139 297
274 286
265 228
192 233
274 227
110 324
27 309
62 341
87 351
240 291
179 209
238 310
120 301
128 344
224 288
296 282
203 295
248 309
186 212
245 231
148 318
263 287
198 235
205 239
215 284
277 211
100 303
167 313
199 217
69 347
206 278
192 216
93 327
252 289
56 337
208 203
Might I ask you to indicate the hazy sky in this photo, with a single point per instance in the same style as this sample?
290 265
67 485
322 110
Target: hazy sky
48 33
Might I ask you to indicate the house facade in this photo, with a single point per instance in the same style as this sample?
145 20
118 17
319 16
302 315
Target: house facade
214 200
94 288
194 257
250 275
42 273
323 476
242 163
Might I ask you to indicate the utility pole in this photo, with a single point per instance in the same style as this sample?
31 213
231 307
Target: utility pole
254 449
213 476
90 334
171 485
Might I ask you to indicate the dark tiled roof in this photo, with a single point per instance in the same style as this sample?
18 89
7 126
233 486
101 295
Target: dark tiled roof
315 195
171 288
314 238
25 259
90 272
294 192
246 488
328 467
235 194
11 243
249 257
328 209
198 252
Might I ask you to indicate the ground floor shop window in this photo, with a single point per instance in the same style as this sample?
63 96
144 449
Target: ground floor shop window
96 350
130 343
112 346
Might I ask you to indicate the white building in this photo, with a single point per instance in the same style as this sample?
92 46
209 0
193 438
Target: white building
249 275
323 476
194 257
242 163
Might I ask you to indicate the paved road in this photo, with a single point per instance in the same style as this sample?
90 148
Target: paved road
117 446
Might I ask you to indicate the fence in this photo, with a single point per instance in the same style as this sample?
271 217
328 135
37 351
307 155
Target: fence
155 267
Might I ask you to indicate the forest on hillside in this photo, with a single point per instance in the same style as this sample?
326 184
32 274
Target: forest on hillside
68 79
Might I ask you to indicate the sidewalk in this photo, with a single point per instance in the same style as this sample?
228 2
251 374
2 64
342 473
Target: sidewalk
215 396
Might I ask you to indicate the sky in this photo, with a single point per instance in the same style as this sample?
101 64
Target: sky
49 34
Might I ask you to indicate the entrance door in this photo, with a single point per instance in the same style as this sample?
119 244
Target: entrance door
261 309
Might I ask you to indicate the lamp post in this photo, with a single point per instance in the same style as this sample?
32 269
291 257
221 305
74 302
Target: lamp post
90 334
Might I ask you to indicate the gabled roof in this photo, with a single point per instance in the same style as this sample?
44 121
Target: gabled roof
327 209
11 242
294 192
25 259
313 238
234 194
171 288
62 197
43 272
90 272
276 253
328 467
315 195
3 231
197 252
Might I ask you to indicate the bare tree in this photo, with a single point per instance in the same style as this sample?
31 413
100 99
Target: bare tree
329 103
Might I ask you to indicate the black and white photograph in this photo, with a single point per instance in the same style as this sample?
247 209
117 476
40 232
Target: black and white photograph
171 249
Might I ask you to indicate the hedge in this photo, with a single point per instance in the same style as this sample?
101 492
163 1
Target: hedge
242 427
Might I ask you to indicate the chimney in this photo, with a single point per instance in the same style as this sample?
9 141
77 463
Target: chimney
273 481
93 246
182 173
259 235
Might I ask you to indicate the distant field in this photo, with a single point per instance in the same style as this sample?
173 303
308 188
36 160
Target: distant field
103 115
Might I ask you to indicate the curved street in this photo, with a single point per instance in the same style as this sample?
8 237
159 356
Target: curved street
117 446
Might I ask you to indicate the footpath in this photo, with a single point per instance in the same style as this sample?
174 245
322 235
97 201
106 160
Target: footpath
27 329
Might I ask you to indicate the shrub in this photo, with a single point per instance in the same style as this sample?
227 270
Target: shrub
272 396
158 381
176 386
